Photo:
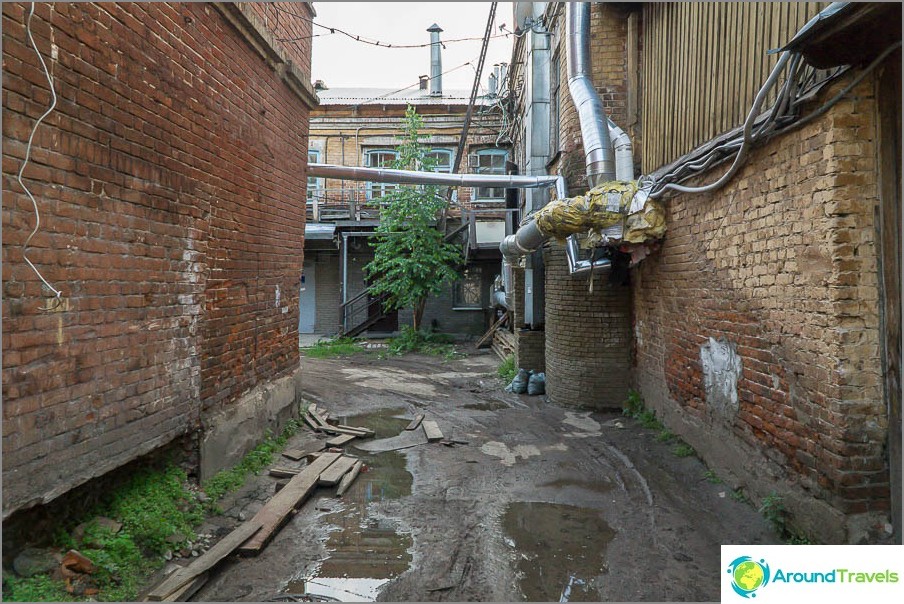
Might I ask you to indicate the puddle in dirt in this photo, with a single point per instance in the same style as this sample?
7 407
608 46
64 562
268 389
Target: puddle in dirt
560 550
364 553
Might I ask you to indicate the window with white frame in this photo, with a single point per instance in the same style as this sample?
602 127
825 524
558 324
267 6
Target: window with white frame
379 158
441 159
491 161
314 183
467 292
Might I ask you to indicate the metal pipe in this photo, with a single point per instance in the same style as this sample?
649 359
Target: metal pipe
578 267
436 61
594 134
414 177
624 152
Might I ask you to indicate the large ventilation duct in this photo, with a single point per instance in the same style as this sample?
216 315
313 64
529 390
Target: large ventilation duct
595 135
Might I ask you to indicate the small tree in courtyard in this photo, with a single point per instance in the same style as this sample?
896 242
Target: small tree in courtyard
411 259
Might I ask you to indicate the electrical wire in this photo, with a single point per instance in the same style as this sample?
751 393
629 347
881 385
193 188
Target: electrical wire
53 102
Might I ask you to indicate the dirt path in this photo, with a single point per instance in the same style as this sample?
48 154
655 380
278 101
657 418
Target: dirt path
543 503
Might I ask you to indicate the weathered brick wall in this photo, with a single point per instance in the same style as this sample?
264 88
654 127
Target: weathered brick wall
588 337
170 181
779 268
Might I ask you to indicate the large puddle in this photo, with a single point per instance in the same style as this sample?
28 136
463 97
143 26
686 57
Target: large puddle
560 550
364 553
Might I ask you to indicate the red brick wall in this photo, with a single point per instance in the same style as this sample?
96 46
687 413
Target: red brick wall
781 263
170 182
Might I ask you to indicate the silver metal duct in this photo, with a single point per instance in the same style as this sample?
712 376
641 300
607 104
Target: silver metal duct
624 153
594 133
414 177
436 61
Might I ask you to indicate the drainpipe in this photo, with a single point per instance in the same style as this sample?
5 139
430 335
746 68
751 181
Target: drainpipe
595 134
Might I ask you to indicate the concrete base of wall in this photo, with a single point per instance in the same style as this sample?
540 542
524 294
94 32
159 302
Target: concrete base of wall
742 466
233 432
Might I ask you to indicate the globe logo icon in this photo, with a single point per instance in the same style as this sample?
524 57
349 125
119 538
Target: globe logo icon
748 575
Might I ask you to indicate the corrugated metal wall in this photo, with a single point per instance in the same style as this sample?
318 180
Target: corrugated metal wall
703 64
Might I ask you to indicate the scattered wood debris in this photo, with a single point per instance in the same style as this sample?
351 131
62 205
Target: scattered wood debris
431 429
349 478
342 439
336 471
415 422
293 454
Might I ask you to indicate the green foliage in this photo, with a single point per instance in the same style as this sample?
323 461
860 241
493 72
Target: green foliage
507 370
682 449
152 504
665 436
255 461
425 342
40 588
739 495
711 477
341 346
411 259
633 405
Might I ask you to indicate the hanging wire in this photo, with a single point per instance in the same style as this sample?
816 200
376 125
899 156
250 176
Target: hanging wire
53 102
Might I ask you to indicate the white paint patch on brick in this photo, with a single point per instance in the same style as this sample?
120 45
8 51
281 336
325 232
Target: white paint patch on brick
721 371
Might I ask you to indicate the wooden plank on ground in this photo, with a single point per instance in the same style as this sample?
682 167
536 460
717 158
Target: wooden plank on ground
280 472
293 454
365 432
491 331
431 429
309 420
349 478
276 512
184 594
415 422
206 561
405 440
335 472
342 439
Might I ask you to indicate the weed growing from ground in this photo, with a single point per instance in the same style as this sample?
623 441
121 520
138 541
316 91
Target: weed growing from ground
711 477
256 460
773 510
335 347
682 449
424 342
507 370
739 495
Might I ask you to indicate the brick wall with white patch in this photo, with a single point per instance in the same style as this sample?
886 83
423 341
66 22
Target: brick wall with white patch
170 180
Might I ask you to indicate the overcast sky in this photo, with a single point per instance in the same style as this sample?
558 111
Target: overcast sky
342 62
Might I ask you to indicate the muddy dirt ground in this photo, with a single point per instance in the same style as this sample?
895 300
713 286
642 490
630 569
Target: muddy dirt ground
542 503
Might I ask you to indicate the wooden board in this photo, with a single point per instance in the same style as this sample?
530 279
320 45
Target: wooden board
206 561
349 478
405 440
336 471
342 439
184 594
415 422
279 472
431 429
485 338
364 431
293 454
275 512
309 420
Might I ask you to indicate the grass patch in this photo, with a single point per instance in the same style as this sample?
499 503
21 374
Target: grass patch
682 449
634 407
740 496
507 370
425 342
335 347
256 460
152 505
665 436
711 477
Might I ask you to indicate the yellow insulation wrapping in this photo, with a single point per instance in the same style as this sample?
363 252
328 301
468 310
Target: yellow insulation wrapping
603 206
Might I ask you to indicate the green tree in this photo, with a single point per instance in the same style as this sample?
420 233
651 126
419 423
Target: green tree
412 261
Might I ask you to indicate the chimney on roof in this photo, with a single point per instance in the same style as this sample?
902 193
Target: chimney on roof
320 85
423 81
436 61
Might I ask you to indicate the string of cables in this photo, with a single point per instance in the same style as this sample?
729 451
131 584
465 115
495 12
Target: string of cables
53 102
802 83
364 39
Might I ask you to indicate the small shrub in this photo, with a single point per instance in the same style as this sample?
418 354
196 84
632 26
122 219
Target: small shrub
425 342
739 495
40 588
507 369
633 405
665 436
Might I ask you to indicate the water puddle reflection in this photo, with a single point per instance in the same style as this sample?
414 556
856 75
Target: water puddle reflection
560 550
364 553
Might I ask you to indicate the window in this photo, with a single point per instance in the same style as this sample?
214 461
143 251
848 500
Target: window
442 160
467 293
554 106
491 161
314 183
379 158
